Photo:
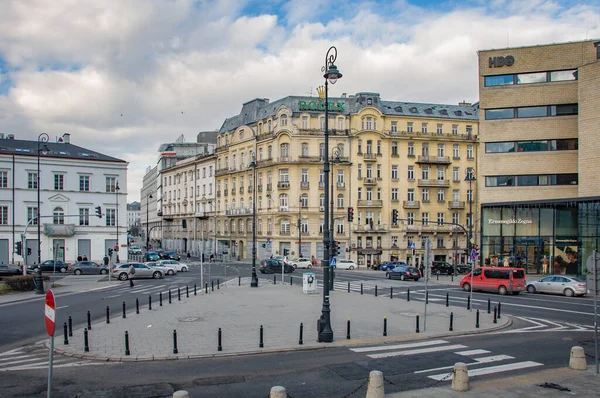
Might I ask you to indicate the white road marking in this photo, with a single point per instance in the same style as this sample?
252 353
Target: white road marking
12 352
399 346
64 306
491 369
417 351
490 359
11 358
472 352
113 296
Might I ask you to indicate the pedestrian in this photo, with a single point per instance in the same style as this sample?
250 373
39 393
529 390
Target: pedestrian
188 257
422 269
85 257
212 258
131 273
105 259
506 262
79 258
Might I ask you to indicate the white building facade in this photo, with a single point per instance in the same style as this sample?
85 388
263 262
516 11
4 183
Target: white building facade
73 182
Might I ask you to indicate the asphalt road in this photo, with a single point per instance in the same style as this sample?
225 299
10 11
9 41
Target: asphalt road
329 372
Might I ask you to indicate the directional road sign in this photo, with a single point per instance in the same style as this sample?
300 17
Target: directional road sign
412 245
473 254
50 312
332 262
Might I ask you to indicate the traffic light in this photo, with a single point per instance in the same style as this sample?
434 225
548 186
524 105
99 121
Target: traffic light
350 214
394 216
19 248
29 251
338 250
110 252
98 211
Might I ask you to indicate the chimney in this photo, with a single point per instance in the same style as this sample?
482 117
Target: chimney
66 138
464 103
10 137
1 136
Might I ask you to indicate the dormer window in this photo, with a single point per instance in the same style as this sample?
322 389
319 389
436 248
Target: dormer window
369 101
284 120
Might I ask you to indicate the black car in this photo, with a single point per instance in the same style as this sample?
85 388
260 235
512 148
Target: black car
272 266
441 268
463 268
171 256
51 266
403 273
11 270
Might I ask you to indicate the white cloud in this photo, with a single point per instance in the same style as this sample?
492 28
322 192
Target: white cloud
123 77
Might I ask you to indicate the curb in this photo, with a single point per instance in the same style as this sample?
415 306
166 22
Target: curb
340 344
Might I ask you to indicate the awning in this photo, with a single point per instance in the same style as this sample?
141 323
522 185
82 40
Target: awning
59 229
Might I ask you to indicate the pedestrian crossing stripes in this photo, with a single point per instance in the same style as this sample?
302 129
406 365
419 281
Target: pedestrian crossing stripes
545 325
479 361
37 357
143 289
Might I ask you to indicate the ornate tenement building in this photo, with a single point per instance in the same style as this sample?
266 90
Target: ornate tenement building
387 156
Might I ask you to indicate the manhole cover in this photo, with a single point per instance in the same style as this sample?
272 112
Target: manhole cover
190 319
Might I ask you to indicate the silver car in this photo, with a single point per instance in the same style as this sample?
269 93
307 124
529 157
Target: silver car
559 284
141 271
161 268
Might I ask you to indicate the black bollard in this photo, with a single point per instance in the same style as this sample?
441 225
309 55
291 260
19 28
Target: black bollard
86 343
274 279
348 329
495 314
391 292
187 291
124 313
489 306
127 352
150 302
239 281
361 288
408 294
194 289
452 277
89 320
66 332
375 290
477 320
447 299
385 325
451 322
427 297
219 284
137 306
107 314
178 293
468 302
348 287
300 342
219 346
260 343
437 277
212 286
417 328
291 282
206 287
499 308
175 350
160 299
70 326
169 296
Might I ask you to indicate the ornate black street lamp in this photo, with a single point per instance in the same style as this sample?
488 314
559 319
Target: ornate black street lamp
254 281
331 75
42 139
148 197
335 158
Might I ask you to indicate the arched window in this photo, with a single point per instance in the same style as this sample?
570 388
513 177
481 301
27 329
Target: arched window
284 227
284 150
241 135
226 206
260 154
232 226
270 152
283 202
340 201
58 215
241 226
284 120
304 200
259 204
226 226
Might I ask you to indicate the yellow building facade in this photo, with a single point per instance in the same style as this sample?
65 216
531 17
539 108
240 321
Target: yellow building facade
375 148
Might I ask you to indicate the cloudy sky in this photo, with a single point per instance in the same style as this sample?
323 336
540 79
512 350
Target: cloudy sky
124 76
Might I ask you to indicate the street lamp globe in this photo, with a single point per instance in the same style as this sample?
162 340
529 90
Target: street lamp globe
332 74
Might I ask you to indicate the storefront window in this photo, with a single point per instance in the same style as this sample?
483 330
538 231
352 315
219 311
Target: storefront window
508 229
491 221
566 221
546 222
527 222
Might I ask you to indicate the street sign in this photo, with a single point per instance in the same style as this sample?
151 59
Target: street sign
50 312
332 262
412 245
473 254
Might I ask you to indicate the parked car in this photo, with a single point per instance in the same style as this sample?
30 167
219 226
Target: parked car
50 265
171 256
495 279
285 259
164 269
135 250
176 265
404 272
141 271
11 270
391 265
88 268
160 253
272 266
441 268
301 263
463 268
566 285
151 256
345 264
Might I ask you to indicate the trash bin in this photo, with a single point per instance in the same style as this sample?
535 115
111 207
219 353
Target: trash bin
309 283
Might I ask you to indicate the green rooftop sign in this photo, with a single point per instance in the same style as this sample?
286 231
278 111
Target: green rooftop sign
320 106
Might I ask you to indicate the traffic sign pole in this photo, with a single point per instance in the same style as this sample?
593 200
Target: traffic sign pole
50 320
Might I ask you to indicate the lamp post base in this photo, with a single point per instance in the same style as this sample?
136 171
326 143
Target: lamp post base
254 281
325 333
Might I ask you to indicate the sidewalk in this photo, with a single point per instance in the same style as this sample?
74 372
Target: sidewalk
578 383
239 311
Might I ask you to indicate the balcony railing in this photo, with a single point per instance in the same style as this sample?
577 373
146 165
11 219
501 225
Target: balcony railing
233 191
250 189
369 181
456 205
269 187
241 189
371 157
370 203
304 185
220 172
283 185
434 183
218 194
369 228
341 185
285 233
284 159
411 204
434 159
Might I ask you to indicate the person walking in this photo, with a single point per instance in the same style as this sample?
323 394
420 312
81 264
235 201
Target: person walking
131 273
105 259
79 258
85 257
188 257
